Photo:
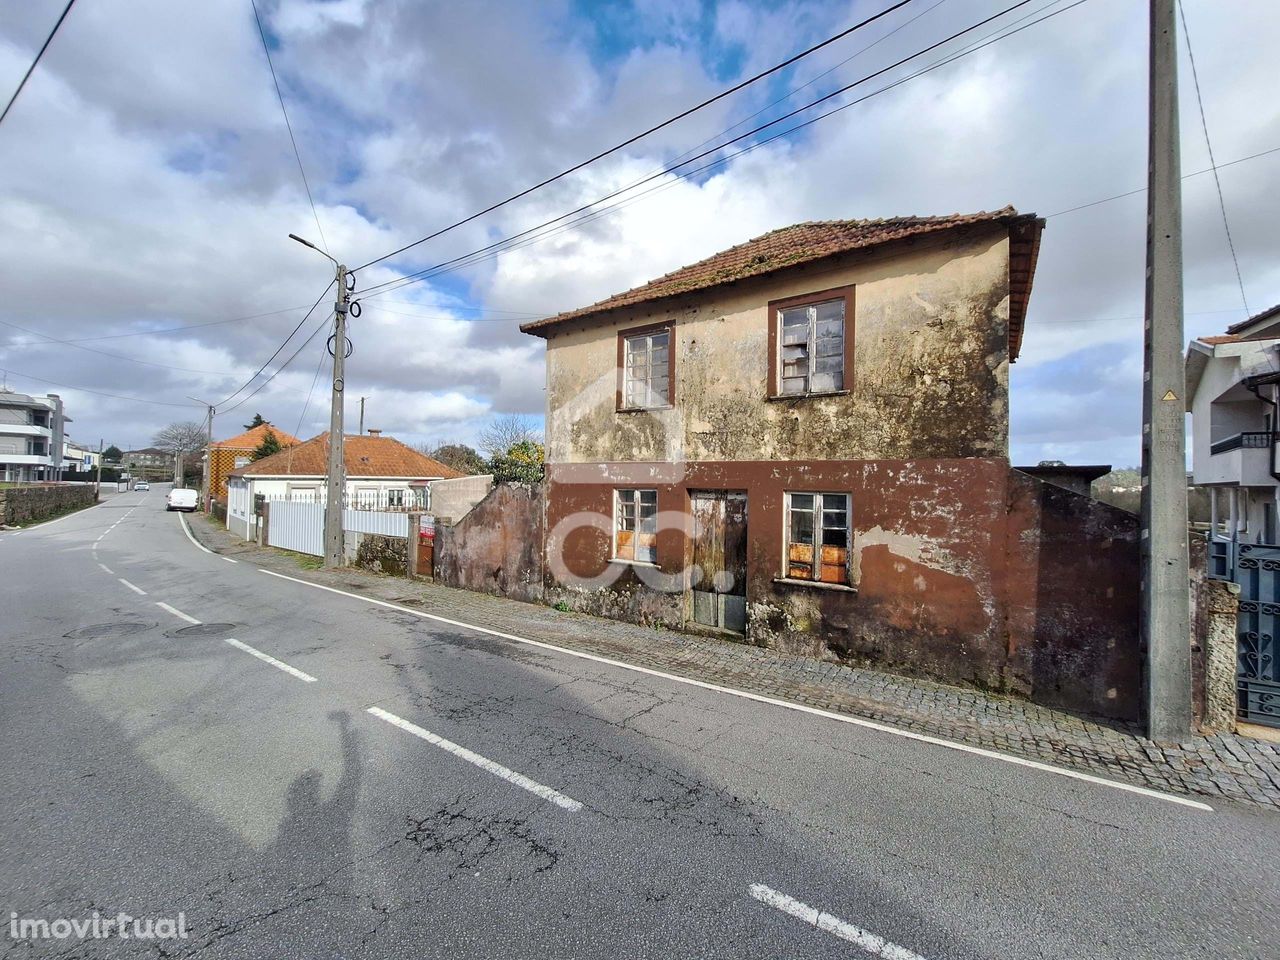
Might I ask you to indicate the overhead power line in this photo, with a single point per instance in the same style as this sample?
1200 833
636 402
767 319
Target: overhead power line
283 344
104 353
97 393
506 243
262 33
640 136
1204 125
43 47
187 326
280 369
1187 176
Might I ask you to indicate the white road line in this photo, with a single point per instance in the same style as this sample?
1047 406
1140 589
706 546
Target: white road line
137 590
230 560
292 671
484 763
875 945
106 569
183 522
175 612
786 705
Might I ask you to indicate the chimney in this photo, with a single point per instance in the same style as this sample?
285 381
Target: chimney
373 433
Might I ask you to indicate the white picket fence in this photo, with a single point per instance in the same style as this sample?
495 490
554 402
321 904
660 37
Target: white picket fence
300 526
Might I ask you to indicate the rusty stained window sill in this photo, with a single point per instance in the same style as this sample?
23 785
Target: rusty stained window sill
780 397
814 584
633 563
664 406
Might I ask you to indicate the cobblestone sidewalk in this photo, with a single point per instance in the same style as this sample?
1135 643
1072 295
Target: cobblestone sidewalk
1239 768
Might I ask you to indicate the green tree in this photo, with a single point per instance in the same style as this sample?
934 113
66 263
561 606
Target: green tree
270 444
112 454
459 456
522 463
257 421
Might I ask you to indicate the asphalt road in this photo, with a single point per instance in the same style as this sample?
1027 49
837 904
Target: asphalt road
507 800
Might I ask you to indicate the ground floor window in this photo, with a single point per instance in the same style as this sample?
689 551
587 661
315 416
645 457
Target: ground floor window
636 525
818 537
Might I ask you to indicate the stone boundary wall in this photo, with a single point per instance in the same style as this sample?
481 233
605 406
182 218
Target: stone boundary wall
497 547
20 506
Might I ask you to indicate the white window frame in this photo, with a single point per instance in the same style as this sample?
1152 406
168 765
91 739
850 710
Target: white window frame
822 502
811 348
648 399
619 494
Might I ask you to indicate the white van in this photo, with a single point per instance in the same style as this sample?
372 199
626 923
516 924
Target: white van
182 500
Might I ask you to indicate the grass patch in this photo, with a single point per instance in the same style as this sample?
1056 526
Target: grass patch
304 560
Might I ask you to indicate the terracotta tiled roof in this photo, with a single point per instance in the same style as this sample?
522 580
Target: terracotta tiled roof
365 456
815 240
252 439
1234 338
1246 324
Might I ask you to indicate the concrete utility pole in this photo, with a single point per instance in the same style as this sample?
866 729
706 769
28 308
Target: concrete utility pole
362 400
97 484
206 493
1165 583
336 481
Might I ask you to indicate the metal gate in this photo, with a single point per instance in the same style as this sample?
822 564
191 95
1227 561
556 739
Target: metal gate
1257 570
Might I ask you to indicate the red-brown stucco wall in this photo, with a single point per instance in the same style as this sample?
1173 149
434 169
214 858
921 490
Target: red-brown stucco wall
964 570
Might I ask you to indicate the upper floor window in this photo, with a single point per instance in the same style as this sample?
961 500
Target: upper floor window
810 347
645 359
818 537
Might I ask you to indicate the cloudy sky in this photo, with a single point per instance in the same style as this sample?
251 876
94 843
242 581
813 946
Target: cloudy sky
149 184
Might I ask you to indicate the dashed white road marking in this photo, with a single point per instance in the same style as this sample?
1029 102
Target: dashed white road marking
137 590
784 704
875 945
292 671
106 569
230 560
176 612
484 763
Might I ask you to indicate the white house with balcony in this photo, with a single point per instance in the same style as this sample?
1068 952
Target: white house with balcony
1233 387
31 436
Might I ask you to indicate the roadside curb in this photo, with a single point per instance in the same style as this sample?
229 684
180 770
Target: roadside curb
1222 766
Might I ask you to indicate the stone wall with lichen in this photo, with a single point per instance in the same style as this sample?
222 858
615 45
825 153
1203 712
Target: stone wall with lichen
22 505
929 378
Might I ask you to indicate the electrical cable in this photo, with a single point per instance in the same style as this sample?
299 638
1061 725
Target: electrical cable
262 33
283 344
99 393
1204 125
256 390
43 47
639 136
104 353
466 259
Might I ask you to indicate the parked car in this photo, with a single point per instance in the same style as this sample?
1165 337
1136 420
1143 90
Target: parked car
182 500
142 485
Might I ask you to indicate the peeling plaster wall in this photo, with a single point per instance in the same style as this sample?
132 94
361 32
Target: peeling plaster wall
964 571
497 547
930 372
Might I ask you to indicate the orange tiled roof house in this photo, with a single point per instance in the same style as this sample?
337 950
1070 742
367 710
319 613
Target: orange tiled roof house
227 455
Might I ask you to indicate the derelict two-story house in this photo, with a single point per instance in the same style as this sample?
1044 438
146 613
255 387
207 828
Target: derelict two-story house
803 440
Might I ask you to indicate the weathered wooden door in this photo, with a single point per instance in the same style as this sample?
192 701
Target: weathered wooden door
720 559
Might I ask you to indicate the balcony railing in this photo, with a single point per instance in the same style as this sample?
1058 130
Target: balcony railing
1253 440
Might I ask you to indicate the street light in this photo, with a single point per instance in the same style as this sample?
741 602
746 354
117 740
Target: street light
335 481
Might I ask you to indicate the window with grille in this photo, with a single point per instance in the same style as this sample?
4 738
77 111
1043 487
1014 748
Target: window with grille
646 371
636 525
811 339
818 537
